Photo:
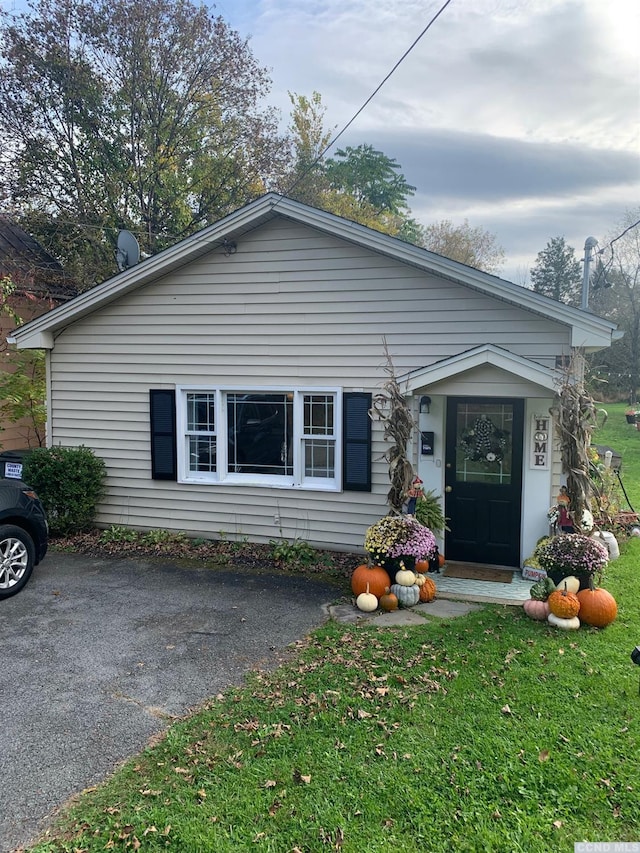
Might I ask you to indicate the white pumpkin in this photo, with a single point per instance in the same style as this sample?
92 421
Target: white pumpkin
608 539
367 601
405 578
420 579
565 624
571 584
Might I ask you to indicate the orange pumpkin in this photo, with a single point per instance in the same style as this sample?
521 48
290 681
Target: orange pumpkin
597 607
375 577
441 560
564 604
389 601
427 590
422 567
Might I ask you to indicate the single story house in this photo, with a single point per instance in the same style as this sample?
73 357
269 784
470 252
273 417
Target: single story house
226 382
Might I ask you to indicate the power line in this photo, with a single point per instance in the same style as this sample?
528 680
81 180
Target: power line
333 141
615 239
605 267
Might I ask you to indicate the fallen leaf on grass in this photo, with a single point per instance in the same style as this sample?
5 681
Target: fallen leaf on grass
270 783
543 755
505 710
300 778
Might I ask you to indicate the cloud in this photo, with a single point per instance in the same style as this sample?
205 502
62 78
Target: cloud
523 118
452 165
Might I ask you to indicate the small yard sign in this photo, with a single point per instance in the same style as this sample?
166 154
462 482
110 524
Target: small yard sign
13 470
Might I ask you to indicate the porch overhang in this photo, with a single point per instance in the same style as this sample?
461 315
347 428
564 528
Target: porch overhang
488 354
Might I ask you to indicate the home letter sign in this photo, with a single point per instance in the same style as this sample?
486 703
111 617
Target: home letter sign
540 441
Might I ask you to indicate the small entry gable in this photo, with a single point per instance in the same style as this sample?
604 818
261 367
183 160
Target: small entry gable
488 365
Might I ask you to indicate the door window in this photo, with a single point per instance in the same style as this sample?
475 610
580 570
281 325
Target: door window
484 443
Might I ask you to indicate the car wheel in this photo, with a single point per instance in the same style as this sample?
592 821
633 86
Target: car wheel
17 557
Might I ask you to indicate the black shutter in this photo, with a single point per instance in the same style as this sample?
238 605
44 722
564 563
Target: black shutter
356 438
162 411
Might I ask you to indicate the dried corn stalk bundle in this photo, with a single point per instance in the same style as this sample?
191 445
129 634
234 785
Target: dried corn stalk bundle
575 417
391 409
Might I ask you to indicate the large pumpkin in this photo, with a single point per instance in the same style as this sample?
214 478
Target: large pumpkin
422 566
597 607
375 577
427 590
564 604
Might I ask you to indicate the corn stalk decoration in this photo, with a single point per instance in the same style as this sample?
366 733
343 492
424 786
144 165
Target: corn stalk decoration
390 407
575 417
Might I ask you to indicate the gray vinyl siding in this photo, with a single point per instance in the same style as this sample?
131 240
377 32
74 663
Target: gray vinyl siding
293 307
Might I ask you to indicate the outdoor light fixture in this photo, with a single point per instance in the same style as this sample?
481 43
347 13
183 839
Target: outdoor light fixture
230 247
425 405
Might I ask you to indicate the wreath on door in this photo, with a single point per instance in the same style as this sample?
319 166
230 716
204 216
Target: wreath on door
483 441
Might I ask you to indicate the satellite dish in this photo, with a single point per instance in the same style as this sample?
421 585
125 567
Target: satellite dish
128 252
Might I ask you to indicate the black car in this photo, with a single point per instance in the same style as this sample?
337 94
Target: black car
23 535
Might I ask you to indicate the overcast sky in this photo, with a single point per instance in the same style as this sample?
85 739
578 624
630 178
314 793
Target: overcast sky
522 116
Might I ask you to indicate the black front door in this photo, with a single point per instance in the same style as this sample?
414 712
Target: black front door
483 479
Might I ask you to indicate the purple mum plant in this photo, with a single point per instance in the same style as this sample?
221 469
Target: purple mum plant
573 554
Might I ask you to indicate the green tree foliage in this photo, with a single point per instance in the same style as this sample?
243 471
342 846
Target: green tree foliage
22 378
557 273
145 115
371 178
305 179
359 183
615 294
365 185
468 245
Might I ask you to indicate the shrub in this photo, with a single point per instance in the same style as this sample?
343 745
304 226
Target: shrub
69 482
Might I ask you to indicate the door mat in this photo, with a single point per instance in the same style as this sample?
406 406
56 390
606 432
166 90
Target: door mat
477 573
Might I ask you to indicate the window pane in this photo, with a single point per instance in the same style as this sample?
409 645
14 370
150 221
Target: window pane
318 414
202 453
260 433
201 412
319 458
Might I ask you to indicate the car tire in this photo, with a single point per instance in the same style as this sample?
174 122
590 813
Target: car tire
17 558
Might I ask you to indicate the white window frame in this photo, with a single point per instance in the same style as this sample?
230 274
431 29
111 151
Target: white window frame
222 476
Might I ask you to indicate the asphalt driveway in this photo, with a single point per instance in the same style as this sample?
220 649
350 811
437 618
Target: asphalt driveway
100 654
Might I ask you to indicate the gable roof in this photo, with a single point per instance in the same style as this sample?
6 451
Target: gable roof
588 331
490 354
31 267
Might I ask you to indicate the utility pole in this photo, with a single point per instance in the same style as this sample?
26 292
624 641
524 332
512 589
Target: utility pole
589 244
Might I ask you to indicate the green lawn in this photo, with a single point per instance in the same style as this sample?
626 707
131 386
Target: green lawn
625 439
485 733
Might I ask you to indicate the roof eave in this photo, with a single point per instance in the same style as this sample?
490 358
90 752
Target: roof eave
588 331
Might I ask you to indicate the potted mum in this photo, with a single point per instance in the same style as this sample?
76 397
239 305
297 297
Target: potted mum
573 554
633 415
397 538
